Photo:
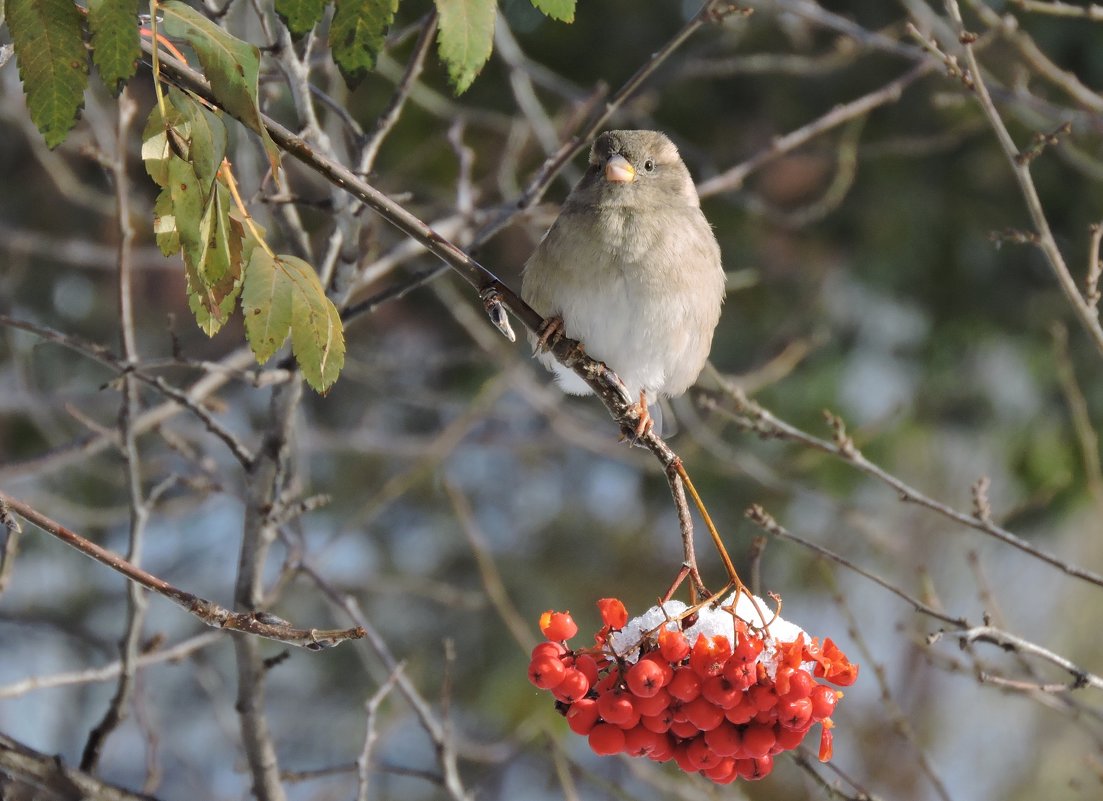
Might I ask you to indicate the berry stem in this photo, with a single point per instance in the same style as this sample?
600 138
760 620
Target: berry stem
728 566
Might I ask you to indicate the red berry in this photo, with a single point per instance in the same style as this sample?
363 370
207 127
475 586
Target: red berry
709 655
763 697
799 683
721 692
664 748
686 684
613 613
788 739
659 723
758 740
673 645
823 701
606 740
582 716
760 768
795 714
558 625
741 713
700 755
556 649
703 714
616 708
747 649
726 740
546 672
657 703
640 741
664 666
645 678
740 674
723 772
588 665
681 757
683 729
573 687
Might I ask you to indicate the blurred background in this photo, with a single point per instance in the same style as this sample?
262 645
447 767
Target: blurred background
881 266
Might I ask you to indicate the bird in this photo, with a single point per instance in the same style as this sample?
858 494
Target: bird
630 268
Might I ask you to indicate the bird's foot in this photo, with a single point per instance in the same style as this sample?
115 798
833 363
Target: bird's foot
644 422
550 333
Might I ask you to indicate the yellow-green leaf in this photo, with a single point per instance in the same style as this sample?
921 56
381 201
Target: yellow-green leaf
231 66
317 338
53 64
300 16
465 38
164 223
562 10
115 44
266 305
357 34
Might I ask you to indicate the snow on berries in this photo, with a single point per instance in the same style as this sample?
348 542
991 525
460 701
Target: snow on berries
718 689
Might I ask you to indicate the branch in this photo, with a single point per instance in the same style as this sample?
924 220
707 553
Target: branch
1009 642
26 773
261 624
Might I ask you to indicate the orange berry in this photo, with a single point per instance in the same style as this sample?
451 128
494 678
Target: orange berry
700 755
606 740
582 716
758 740
718 690
613 613
673 645
556 649
546 672
616 708
703 714
645 678
558 626
788 739
573 687
686 684
709 655
795 713
726 740
653 705
823 700
683 729
659 723
588 665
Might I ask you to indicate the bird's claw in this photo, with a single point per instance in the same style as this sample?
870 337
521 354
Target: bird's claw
550 333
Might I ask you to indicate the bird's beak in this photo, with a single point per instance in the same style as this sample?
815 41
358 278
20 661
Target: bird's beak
619 170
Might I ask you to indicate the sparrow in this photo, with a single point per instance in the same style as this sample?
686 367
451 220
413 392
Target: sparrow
631 269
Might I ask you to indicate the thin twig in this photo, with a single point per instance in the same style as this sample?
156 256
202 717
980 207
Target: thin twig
754 417
1021 171
371 710
1056 8
112 669
261 624
1010 642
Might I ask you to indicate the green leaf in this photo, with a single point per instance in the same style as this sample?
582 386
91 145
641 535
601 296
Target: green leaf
164 223
230 65
115 43
317 339
562 10
357 34
214 286
204 134
282 295
209 323
465 38
300 16
53 63
188 206
266 305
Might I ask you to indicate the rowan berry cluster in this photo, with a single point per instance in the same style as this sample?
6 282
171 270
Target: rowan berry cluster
702 687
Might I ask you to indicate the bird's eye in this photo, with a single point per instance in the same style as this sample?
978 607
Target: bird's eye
649 166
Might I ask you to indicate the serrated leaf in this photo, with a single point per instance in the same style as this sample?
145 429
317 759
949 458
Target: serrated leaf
465 37
115 43
53 63
357 34
317 339
156 151
219 274
562 10
266 305
203 132
188 206
231 67
300 16
211 324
